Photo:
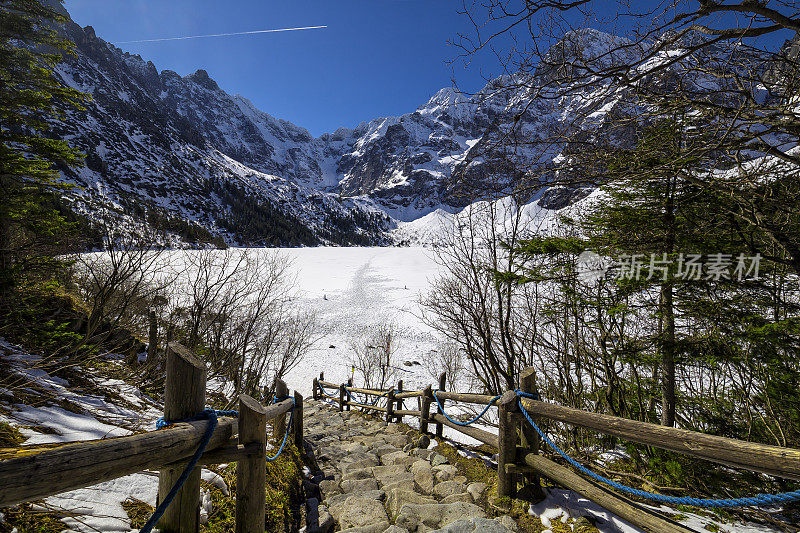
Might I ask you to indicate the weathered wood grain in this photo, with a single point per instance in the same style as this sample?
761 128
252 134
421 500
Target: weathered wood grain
184 397
251 470
773 460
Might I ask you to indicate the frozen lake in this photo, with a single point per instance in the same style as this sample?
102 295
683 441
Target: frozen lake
351 289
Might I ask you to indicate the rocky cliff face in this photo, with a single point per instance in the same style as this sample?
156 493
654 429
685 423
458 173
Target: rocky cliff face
181 153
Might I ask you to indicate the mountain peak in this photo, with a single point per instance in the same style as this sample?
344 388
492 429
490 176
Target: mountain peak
201 78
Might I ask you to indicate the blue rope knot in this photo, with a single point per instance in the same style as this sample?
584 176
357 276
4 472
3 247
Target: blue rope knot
441 409
759 500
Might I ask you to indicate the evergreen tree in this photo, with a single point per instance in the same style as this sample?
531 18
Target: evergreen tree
30 94
646 219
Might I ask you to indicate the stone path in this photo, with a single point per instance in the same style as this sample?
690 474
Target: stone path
375 478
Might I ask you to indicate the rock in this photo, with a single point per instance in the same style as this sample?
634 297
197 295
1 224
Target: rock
339 499
359 485
474 525
418 465
477 490
460 479
424 480
447 488
411 515
396 498
387 474
395 479
386 449
423 442
403 484
325 519
361 473
437 460
359 512
443 475
395 458
509 522
329 487
406 461
460 497
374 528
396 529
397 440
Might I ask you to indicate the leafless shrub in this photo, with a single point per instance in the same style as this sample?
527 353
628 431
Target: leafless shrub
373 356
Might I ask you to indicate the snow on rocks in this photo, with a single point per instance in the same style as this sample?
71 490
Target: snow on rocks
370 481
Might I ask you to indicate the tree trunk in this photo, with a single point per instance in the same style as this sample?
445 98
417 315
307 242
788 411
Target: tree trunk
667 357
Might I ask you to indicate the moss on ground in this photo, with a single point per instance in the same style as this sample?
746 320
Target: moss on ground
138 511
10 437
475 470
25 519
283 491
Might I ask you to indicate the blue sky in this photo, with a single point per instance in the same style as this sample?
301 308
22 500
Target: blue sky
376 58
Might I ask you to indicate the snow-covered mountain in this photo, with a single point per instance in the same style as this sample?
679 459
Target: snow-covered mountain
182 155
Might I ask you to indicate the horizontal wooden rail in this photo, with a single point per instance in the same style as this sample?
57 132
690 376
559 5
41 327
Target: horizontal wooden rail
619 505
483 399
369 392
405 412
476 433
408 394
37 472
773 460
230 453
82 464
328 384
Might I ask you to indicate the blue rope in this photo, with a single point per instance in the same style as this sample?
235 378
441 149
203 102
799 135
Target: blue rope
373 402
211 414
275 399
757 500
441 410
322 390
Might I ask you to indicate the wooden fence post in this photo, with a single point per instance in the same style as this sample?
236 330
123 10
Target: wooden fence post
251 469
342 392
349 384
399 402
507 445
279 423
389 407
425 409
314 386
442 385
297 421
184 397
530 438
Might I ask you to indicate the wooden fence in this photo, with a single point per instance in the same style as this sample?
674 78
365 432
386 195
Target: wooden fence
520 464
34 472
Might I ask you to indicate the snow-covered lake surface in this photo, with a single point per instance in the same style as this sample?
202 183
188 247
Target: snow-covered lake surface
354 289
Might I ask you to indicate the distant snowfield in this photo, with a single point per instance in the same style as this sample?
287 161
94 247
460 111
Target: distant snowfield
353 289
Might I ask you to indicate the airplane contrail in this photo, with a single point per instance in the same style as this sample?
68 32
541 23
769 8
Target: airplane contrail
220 35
